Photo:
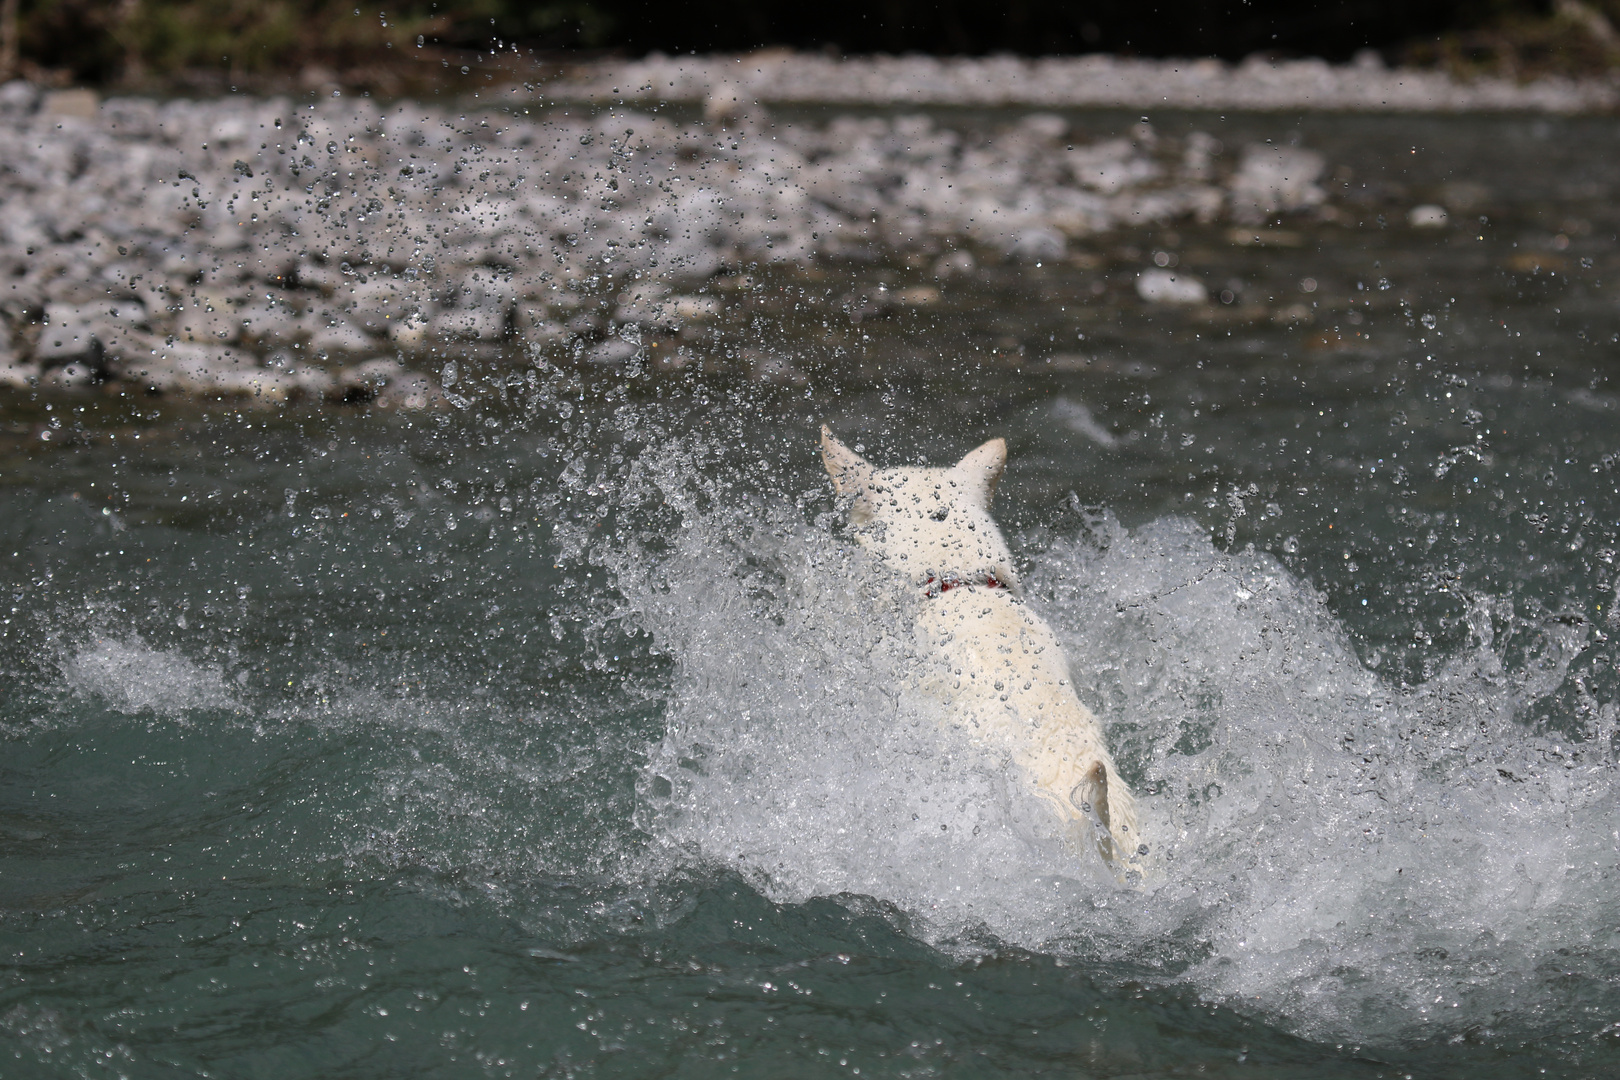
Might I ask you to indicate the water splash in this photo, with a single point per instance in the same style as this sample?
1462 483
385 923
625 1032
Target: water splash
1350 857
1353 856
133 677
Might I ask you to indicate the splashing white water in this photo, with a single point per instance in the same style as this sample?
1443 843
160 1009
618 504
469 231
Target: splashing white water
1349 857
133 677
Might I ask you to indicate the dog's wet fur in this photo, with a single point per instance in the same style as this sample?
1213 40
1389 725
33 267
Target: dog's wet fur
1004 678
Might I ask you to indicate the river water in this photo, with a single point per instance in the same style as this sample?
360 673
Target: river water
559 732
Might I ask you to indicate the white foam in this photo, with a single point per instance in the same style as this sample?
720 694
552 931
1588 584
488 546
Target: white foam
133 677
1339 853
1351 855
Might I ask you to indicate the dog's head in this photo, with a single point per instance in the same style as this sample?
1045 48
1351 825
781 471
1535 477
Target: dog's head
932 525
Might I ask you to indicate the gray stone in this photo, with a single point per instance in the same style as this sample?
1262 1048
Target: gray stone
1165 287
1037 245
410 390
338 335
531 322
613 351
68 333
471 324
1273 179
186 367
18 96
69 376
267 386
307 380
15 375
365 381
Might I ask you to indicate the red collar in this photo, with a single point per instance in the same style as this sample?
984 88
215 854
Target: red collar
934 586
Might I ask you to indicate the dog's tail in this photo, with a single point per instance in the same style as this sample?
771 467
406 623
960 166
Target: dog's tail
1106 802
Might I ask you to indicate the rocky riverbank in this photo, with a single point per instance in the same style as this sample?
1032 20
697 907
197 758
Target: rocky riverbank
1092 81
341 250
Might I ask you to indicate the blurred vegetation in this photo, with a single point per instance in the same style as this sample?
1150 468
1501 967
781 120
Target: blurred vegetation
1570 37
145 41
131 40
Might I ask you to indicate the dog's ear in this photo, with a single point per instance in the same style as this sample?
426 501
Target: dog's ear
849 471
979 471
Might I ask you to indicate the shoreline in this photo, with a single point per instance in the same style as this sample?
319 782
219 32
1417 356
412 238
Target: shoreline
780 77
348 250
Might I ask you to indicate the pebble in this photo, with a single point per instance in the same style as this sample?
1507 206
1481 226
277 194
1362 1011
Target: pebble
1164 287
19 376
1427 216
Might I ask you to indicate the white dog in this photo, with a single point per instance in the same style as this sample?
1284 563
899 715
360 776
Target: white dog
1008 682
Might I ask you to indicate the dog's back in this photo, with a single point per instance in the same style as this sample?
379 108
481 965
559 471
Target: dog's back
1008 685
1005 679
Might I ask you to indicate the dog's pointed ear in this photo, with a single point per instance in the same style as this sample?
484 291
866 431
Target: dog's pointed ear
979 471
849 471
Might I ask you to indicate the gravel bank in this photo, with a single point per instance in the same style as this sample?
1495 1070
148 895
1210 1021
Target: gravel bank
338 251
777 77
